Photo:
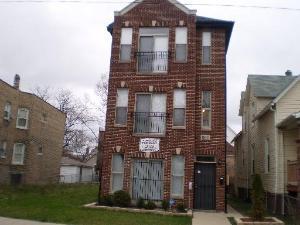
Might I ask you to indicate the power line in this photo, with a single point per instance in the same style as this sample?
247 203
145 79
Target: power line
128 2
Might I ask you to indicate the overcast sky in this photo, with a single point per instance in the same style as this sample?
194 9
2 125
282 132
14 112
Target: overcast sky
66 45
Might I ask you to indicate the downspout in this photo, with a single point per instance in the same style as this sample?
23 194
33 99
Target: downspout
225 93
273 109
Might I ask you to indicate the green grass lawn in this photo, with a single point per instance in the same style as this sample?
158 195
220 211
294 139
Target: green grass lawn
63 204
245 209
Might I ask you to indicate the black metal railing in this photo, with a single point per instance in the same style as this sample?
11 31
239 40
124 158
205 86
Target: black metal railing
152 62
149 122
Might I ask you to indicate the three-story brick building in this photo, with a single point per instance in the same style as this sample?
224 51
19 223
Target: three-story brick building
166 114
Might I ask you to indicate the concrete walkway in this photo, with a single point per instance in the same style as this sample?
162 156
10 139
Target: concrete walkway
9 221
214 218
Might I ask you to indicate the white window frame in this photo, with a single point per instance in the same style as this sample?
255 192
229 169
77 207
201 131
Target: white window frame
3 147
21 162
267 155
181 39
183 106
125 40
121 105
116 172
206 42
203 109
7 108
26 118
175 195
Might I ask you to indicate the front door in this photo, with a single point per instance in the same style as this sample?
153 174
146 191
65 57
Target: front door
205 186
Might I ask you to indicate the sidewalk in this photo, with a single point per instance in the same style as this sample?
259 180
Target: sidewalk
213 218
9 221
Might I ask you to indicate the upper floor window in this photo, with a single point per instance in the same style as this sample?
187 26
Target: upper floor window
267 156
179 104
181 44
152 56
206 109
150 113
121 106
206 48
126 42
3 145
18 154
22 118
7 111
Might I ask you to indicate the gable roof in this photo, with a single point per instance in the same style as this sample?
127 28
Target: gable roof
269 85
137 2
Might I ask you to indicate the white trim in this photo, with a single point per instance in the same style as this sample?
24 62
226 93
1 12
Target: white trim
13 161
286 90
137 2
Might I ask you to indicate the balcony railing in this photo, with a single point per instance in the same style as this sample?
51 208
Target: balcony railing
152 62
149 122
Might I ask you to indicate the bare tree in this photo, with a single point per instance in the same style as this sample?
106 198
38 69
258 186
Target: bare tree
81 126
102 92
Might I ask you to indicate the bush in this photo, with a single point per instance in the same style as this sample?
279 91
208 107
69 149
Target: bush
180 207
165 204
150 205
140 203
121 199
257 197
107 200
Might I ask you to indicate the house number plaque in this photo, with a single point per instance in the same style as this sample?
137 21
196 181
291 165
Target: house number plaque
149 145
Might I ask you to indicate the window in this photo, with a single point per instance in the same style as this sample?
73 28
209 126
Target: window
177 176
153 50
267 156
206 109
206 48
40 150
117 172
181 44
150 113
179 104
3 149
121 106
7 111
18 154
253 160
126 42
22 118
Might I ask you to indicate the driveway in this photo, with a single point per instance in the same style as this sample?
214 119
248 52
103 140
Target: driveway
214 218
9 221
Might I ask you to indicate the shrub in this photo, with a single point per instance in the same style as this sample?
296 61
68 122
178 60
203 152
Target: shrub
180 207
165 204
257 197
107 200
150 205
121 199
140 203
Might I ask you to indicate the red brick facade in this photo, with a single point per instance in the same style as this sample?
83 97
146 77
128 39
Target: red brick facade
195 78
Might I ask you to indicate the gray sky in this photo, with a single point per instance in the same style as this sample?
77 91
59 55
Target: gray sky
66 45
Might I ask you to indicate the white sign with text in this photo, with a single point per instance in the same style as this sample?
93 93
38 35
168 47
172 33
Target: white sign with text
149 145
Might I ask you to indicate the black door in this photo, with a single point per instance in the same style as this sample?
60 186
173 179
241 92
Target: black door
205 186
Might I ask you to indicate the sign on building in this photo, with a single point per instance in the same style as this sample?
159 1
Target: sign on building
149 145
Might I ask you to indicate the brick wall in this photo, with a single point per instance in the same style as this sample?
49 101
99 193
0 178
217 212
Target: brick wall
37 168
195 78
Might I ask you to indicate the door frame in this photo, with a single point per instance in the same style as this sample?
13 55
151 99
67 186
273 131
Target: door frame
194 192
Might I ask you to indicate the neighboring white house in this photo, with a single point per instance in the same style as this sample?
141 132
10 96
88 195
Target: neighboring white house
76 171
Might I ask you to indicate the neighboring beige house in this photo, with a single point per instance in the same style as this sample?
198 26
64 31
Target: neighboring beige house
74 170
31 137
268 142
